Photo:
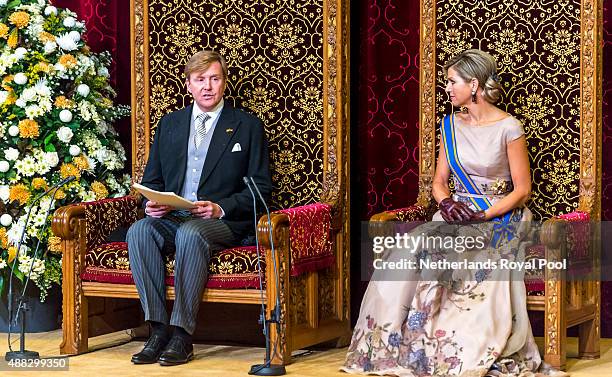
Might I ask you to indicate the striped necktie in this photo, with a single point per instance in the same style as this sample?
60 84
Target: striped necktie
200 128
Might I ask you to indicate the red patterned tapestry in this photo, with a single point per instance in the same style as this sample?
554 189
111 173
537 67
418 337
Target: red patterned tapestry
388 100
310 237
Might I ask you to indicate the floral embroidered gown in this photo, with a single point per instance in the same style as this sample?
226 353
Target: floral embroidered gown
428 324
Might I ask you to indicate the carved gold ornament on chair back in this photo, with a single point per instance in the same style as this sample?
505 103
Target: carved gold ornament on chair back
276 53
549 67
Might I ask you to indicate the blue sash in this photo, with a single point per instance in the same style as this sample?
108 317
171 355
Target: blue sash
503 229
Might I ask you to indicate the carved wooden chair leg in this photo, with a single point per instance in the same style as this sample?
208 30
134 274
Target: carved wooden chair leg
554 323
74 306
588 332
75 332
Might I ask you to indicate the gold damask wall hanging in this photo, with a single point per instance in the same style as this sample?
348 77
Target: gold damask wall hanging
537 45
275 53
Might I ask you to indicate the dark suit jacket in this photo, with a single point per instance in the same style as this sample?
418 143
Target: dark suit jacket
221 181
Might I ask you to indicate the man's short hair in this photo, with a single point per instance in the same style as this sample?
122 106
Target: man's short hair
200 61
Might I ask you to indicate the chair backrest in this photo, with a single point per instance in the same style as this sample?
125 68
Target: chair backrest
549 61
289 68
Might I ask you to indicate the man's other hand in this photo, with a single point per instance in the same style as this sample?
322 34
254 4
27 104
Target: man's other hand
156 210
206 210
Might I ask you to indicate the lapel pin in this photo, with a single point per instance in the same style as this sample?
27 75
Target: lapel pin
229 131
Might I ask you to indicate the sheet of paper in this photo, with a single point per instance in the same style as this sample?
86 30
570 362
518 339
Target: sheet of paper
165 198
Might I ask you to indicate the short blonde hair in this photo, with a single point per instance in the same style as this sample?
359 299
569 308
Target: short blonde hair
200 61
480 65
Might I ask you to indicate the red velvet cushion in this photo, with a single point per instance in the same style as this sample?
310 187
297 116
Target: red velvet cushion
310 234
231 268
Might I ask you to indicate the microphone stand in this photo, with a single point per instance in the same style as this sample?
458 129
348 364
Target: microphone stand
267 368
21 299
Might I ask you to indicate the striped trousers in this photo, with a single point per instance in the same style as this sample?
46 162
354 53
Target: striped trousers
194 240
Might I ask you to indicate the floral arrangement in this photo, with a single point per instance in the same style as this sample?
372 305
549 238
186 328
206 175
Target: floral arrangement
56 111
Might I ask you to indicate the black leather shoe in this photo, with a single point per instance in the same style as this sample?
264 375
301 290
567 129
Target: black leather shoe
151 351
178 351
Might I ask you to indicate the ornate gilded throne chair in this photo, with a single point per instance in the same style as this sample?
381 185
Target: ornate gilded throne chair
292 72
552 82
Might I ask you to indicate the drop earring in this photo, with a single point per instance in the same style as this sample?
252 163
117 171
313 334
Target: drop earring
474 96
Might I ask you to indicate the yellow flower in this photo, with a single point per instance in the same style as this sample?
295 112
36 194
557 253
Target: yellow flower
81 162
13 39
39 183
19 192
12 253
54 244
64 103
41 67
3 238
3 31
60 194
20 19
6 80
28 128
46 37
68 169
11 99
107 102
99 189
68 61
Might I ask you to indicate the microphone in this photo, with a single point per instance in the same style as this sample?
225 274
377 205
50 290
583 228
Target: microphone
22 353
265 369
262 317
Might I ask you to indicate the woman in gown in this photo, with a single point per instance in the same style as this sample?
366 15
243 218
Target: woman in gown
428 324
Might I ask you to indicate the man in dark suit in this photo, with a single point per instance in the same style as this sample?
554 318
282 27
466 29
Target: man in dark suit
201 152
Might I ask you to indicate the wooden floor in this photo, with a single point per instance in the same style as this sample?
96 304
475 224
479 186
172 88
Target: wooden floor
113 352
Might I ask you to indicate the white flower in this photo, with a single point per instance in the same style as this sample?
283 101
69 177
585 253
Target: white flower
20 52
74 150
4 192
49 10
102 127
83 90
69 22
66 42
20 78
34 111
26 166
50 47
65 116
76 36
92 163
102 154
39 219
2 262
3 96
79 25
28 95
32 267
21 103
13 130
3 3
64 134
4 166
11 154
51 159
103 71
14 233
6 219
41 88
